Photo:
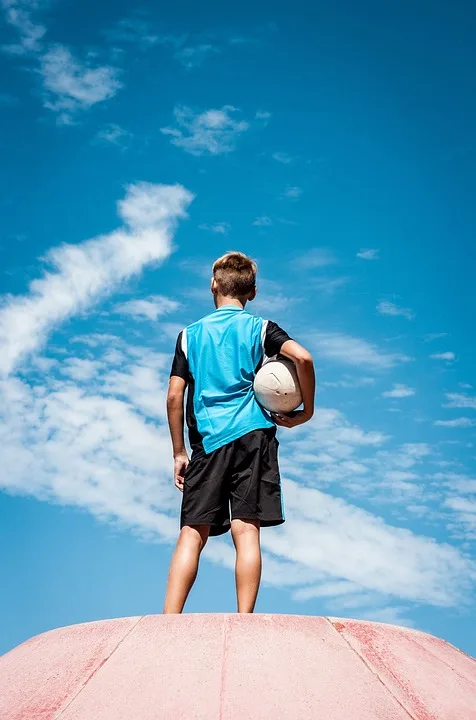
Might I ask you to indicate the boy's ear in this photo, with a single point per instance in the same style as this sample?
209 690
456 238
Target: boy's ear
252 294
214 286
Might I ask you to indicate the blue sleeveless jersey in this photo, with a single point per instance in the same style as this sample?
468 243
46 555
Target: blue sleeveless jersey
218 356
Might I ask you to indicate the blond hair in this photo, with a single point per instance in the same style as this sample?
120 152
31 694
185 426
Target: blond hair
235 275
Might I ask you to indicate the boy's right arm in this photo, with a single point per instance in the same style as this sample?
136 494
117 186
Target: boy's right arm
179 377
302 359
175 413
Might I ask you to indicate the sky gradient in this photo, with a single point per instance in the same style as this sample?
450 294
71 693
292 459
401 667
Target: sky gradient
336 145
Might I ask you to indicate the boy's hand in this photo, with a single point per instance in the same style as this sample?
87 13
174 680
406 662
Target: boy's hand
180 465
292 419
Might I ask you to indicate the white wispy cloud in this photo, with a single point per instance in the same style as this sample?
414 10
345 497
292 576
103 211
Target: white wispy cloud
430 337
189 49
457 482
262 221
443 356
348 381
329 286
332 589
83 273
193 55
315 258
389 308
341 595
331 449
282 157
273 298
399 391
149 308
19 14
269 304
139 32
84 441
393 615
461 400
202 267
263 115
211 132
81 369
352 545
292 192
461 422
72 85
330 430
350 350
220 228
465 511
368 254
114 134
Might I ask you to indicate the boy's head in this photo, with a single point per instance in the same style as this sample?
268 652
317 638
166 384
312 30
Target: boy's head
234 277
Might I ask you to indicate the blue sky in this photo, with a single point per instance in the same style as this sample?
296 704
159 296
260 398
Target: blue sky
334 144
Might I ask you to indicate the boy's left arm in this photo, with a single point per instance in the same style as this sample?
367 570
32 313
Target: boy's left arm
307 380
175 414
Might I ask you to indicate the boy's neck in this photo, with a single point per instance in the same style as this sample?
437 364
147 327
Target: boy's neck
221 300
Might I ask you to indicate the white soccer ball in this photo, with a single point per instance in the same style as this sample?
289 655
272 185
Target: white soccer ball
276 386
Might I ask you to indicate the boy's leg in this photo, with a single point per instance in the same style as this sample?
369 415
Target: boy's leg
246 537
184 566
255 492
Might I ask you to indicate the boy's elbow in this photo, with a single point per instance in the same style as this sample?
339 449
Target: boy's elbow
304 358
174 399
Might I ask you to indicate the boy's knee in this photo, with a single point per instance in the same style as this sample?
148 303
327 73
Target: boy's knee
195 534
243 527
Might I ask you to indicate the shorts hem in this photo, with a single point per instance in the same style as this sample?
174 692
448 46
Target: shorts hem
226 440
215 529
220 529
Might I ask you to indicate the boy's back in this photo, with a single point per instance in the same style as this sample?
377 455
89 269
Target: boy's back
218 356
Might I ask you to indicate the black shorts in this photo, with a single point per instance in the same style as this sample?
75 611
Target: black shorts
244 475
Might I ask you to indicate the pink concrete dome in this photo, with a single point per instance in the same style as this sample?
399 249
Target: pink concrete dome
225 667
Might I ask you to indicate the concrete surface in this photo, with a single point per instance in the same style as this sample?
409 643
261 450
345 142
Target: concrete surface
225 667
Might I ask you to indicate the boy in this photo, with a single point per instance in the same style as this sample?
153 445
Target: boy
233 440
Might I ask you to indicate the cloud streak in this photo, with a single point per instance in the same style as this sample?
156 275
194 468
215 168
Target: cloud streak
315 258
368 254
83 273
448 356
72 85
461 422
19 15
292 192
212 132
150 308
388 308
220 228
354 351
461 400
399 391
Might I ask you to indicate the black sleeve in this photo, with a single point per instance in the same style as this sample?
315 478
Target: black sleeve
274 339
180 363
